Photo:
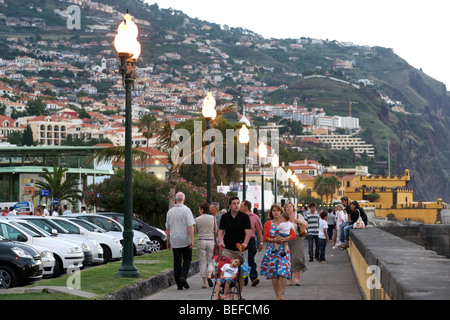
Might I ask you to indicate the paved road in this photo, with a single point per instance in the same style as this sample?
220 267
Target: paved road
332 281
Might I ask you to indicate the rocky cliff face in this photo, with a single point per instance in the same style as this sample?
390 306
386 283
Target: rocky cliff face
424 141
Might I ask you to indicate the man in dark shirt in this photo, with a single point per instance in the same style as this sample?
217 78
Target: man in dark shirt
234 228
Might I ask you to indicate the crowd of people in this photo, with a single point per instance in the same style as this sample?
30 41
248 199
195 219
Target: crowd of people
239 234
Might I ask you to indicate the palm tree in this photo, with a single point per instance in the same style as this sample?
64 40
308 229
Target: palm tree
60 186
166 144
164 132
320 187
332 183
146 125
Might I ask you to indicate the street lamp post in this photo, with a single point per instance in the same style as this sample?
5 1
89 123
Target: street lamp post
128 49
275 164
262 150
289 175
209 112
244 138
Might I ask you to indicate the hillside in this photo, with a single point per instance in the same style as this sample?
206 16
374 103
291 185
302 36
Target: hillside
237 57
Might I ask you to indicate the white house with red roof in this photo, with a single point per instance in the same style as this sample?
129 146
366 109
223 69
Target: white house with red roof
8 126
310 167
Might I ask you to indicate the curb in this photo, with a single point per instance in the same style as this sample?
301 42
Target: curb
150 285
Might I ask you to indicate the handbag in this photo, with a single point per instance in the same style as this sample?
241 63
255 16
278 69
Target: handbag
359 224
302 230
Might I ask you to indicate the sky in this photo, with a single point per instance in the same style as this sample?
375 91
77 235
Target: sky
417 30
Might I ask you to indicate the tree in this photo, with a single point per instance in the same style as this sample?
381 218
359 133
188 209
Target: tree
27 138
60 185
326 186
147 126
319 187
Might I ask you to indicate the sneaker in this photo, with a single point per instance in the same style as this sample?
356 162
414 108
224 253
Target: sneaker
324 261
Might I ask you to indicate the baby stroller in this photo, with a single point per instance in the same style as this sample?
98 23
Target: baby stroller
244 270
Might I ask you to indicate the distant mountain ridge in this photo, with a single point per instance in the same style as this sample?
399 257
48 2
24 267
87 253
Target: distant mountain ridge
419 137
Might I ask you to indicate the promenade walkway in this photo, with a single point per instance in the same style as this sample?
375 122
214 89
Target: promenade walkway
332 281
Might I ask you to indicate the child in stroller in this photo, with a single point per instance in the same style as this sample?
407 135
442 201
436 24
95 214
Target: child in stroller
226 277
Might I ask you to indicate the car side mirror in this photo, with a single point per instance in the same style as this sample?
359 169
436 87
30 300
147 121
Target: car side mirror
22 238
139 226
54 232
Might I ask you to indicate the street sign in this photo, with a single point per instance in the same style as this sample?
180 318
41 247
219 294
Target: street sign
45 193
29 191
55 201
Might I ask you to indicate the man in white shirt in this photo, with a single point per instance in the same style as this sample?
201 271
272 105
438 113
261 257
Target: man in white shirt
45 211
180 238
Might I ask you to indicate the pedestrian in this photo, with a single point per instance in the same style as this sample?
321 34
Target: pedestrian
346 206
235 227
255 243
55 211
227 279
5 211
45 212
355 212
180 238
312 218
274 266
341 217
331 220
83 209
323 236
204 227
66 210
38 211
296 245
216 214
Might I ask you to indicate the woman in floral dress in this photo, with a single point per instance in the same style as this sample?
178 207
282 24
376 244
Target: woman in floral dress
275 265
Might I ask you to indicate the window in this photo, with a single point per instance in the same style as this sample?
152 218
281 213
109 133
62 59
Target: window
9 232
69 226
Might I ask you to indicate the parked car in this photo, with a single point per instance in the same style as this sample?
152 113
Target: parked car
158 238
84 244
45 223
67 255
111 226
112 248
48 260
20 264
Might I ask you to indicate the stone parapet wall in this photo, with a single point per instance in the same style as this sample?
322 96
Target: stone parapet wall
389 267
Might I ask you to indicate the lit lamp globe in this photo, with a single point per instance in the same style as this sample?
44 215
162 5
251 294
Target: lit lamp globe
244 136
262 150
125 41
208 109
275 161
289 173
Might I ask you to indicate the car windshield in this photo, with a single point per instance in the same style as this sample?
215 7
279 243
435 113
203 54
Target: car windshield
69 226
104 222
34 232
27 229
87 225
47 225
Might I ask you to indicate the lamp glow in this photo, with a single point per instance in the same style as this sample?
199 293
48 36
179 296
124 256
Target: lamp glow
208 109
244 136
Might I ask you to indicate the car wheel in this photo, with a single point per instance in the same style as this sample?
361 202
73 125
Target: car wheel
107 255
8 278
58 269
155 244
